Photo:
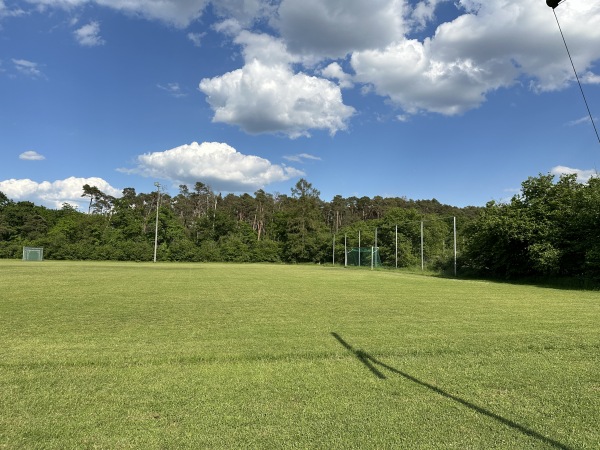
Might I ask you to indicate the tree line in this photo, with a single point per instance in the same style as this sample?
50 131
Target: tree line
550 228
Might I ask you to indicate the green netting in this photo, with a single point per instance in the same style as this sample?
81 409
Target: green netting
361 256
33 254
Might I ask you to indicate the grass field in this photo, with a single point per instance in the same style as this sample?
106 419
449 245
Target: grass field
169 356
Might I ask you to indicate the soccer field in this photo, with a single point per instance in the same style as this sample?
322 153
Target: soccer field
224 356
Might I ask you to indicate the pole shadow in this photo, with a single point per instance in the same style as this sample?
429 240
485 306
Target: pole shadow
372 364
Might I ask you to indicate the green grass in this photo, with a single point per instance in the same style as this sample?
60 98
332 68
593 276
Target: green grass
125 355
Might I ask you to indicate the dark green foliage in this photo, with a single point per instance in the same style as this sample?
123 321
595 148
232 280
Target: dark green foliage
301 229
552 228
199 225
549 229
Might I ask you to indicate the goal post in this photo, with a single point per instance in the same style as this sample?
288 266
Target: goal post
363 257
33 254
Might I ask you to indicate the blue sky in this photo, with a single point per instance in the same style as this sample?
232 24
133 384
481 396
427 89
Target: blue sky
455 100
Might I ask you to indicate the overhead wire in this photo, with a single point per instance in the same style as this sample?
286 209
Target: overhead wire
574 70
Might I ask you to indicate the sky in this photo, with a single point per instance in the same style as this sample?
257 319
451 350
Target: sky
458 100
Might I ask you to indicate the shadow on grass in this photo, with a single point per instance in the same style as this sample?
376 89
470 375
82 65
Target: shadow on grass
545 282
375 367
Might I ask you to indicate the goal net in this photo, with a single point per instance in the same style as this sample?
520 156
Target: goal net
33 254
363 256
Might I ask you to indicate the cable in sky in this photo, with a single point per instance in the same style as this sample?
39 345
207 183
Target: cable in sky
553 4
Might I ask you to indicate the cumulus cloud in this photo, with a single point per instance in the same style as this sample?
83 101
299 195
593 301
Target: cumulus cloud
494 44
408 74
490 45
583 175
424 12
272 99
28 68
54 194
244 12
529 38
89 35
229 27
215 164
179 13
335 72
267 96
335 28
31 156
264 48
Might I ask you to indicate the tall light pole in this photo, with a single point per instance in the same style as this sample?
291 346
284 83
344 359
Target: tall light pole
157 184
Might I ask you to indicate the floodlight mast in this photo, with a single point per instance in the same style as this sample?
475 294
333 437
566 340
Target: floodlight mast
454 230
157 184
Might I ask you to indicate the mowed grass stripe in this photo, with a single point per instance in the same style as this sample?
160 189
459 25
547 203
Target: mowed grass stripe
116 355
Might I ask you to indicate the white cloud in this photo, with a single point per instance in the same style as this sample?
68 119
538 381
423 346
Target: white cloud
301 157
583 175
424 12
411 78
179 13
334 71
585 119
174 89
524 35
5 11
31 156
54 194
244 12
229 27
266 96
264 48
334 28
491 46
590 78
89 35
196 38
28 68
215 164
272 99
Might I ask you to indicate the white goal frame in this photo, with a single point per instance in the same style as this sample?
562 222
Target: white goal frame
33 253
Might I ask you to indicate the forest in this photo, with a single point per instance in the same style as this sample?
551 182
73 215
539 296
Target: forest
551 228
